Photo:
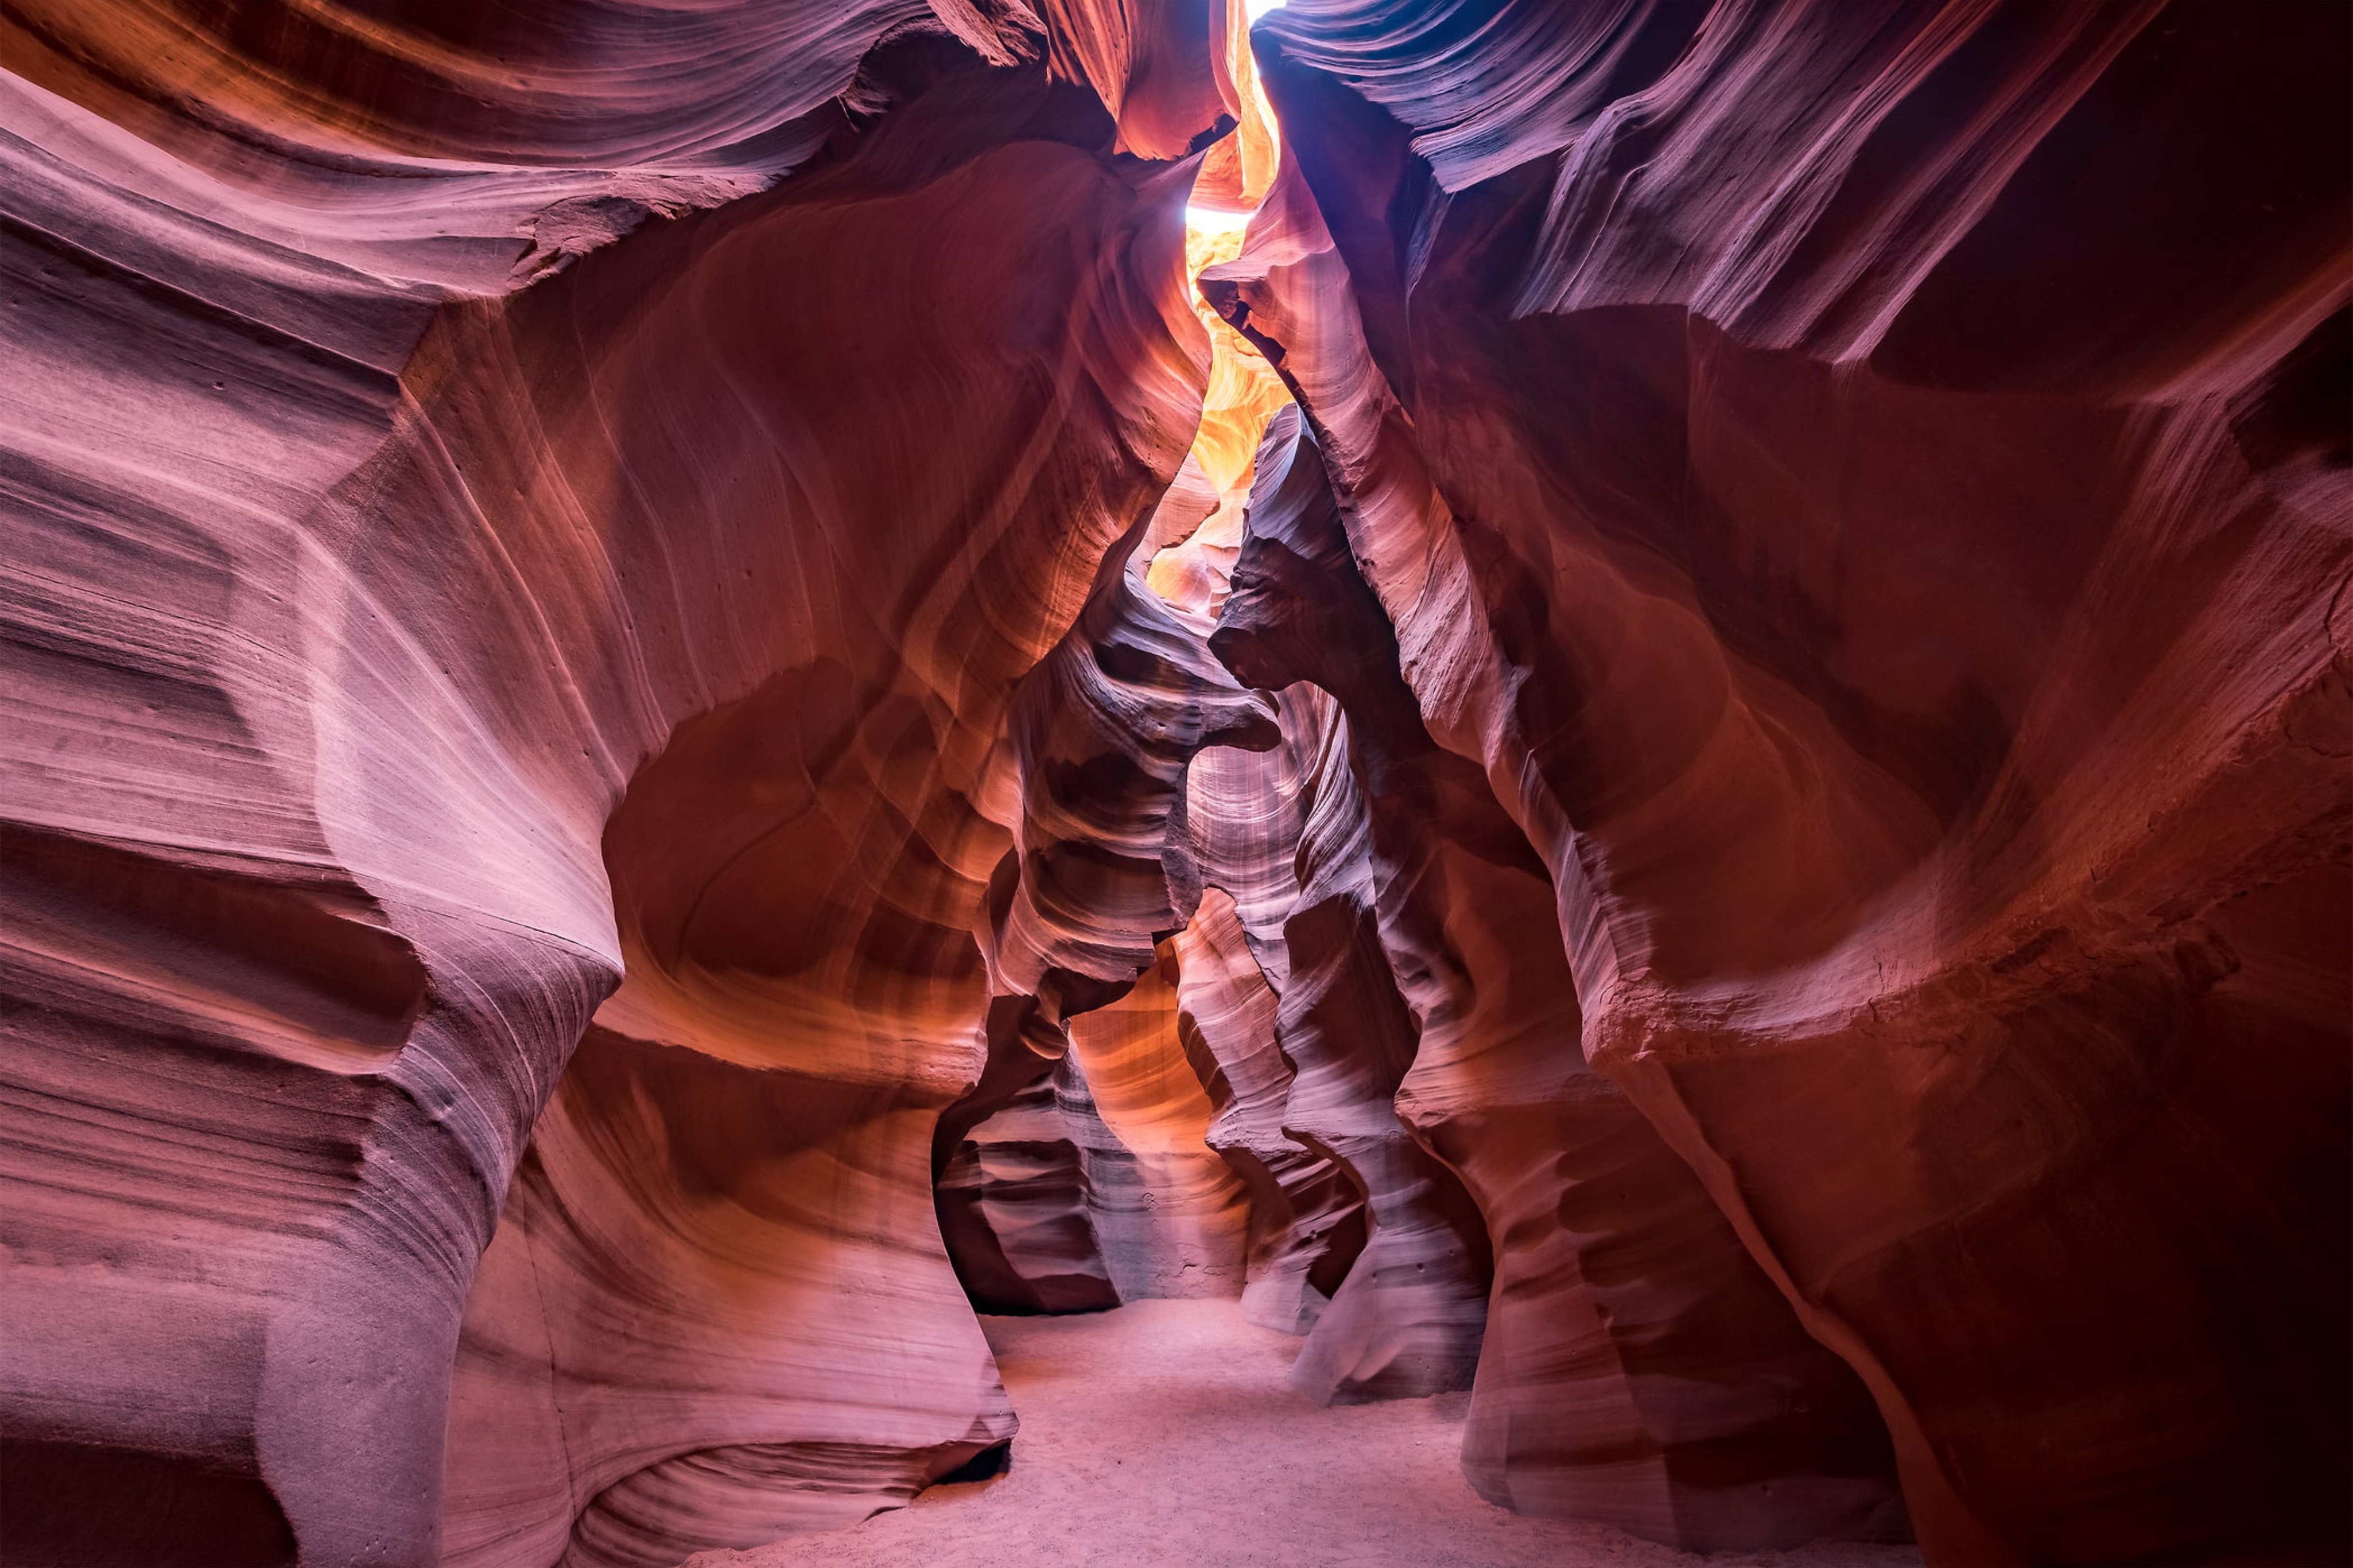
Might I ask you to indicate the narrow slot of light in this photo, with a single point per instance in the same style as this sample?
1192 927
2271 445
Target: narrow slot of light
1209 220
1257 8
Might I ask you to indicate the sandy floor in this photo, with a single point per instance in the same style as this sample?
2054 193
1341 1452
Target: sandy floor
1165 1434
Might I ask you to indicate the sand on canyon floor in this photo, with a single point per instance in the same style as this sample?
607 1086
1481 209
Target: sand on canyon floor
1165 1433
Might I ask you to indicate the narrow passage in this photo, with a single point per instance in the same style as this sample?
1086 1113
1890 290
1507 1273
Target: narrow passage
1164 1435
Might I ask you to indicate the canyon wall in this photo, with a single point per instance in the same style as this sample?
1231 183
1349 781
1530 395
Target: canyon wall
396 663
1637 1367
1867 485
673 707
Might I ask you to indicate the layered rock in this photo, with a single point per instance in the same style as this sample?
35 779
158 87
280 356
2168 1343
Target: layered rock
330 172
582 787
1306 1216
1407 1319
1888 564
1016 1212
1637 1367
1173 1214
1100 740
329 781
1117 852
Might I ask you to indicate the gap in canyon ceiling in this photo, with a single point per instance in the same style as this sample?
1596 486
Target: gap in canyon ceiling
1472 780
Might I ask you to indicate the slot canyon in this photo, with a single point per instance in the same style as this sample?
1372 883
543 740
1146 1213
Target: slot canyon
1172 782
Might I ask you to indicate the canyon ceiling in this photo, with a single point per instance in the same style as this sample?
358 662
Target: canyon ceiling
1640 705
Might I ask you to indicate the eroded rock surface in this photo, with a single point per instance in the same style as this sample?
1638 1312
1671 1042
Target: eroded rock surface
1637 1367
673 705
343 769
1851 549
1016 1211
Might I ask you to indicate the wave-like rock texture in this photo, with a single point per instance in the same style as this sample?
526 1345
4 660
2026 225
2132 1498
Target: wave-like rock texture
1100 740
313 794
1289 830
1116 854
1868 487
1637 1367
1407 1319
1306 1216
1172 1213
1018 1214
661 718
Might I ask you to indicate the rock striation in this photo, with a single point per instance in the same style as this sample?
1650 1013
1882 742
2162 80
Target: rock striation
1643 705
428 709
1855 555
1016 1212
1637 1367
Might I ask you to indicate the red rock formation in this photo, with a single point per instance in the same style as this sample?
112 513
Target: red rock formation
354 849
1172 1213
1101 738
586 798
1637 1367
1016 1212
1306 1216
1837 501
1407 1319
